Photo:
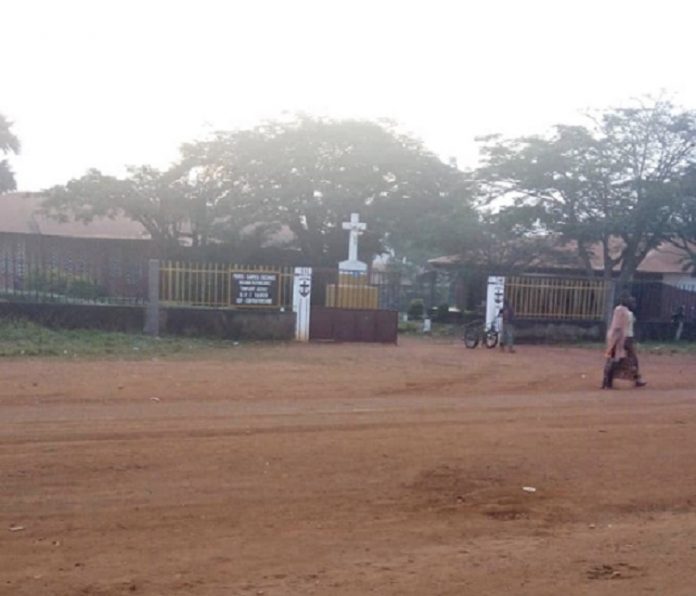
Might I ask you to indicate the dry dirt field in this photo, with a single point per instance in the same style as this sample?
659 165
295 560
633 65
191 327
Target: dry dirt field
347 469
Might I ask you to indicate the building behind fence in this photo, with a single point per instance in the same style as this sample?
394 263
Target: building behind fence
70 270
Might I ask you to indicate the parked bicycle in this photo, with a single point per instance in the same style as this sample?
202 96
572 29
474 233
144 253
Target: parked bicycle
476 332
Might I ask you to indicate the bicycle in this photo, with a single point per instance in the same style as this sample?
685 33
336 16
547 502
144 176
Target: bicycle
476 332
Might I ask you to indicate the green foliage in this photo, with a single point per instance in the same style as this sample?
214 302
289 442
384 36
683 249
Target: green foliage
148 196
63 283
20 338
684 221
9 143
615 182
442 313
410 327
310 174
416 309
290 183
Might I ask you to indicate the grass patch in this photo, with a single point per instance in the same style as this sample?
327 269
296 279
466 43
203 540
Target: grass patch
668 347
20 338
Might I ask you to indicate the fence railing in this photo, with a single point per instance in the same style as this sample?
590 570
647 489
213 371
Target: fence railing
72 280
216 285
557 298
657 301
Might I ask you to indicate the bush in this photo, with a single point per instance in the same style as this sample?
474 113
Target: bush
442 313
415 310
62 283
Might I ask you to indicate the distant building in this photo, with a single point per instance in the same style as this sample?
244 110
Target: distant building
664 280
117 250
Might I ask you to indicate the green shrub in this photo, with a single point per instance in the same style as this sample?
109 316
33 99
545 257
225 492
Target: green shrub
63 283
415 310
442 313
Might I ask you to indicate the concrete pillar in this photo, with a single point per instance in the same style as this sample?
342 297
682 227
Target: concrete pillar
495 294
301 301
152 309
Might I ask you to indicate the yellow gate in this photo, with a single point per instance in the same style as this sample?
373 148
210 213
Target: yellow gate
557 298
216 285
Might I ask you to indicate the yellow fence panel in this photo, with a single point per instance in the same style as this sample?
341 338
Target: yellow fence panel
352 291
216 285
557 298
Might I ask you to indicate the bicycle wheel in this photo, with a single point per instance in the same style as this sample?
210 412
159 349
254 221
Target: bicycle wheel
491 339
472 333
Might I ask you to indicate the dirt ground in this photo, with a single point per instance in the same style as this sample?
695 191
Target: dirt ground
347 469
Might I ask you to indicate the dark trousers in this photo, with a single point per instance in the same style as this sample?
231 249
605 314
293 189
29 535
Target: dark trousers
632 355
626 368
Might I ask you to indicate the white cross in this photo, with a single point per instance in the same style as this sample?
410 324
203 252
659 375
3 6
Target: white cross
356 228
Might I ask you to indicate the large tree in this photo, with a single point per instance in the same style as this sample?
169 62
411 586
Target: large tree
297 179
157 200
684 220
309 174
613 183
9 143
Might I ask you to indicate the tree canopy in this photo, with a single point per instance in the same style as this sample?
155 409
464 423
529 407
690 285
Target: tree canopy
310 174
616 182
625 182
9 143
148 196
684 218
303 175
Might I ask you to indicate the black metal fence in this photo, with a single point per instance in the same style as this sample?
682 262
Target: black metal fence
72 279
664 312
657 301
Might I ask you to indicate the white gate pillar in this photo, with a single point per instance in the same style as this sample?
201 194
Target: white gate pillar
494 299
301 301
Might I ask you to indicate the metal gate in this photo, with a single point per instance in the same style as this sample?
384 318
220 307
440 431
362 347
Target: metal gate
557 298
354 306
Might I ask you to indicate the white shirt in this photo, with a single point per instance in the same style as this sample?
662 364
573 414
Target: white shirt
631 322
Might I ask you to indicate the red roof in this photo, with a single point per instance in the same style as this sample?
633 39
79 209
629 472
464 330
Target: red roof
19 214
666 258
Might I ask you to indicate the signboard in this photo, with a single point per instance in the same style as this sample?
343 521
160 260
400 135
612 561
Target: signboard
254 288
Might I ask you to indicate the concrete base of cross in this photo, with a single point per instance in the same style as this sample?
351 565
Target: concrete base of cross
352 266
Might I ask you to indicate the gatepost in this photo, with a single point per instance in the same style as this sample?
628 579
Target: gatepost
301 301
494 299
152 308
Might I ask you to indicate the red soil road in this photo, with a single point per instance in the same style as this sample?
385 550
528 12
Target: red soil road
347 469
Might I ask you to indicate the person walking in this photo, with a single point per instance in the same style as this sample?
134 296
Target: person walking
621 355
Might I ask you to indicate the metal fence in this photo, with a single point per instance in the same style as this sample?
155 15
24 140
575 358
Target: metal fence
557 298
76 279
659 302
215 285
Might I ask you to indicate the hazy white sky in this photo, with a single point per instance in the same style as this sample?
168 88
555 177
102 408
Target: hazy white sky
105 83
